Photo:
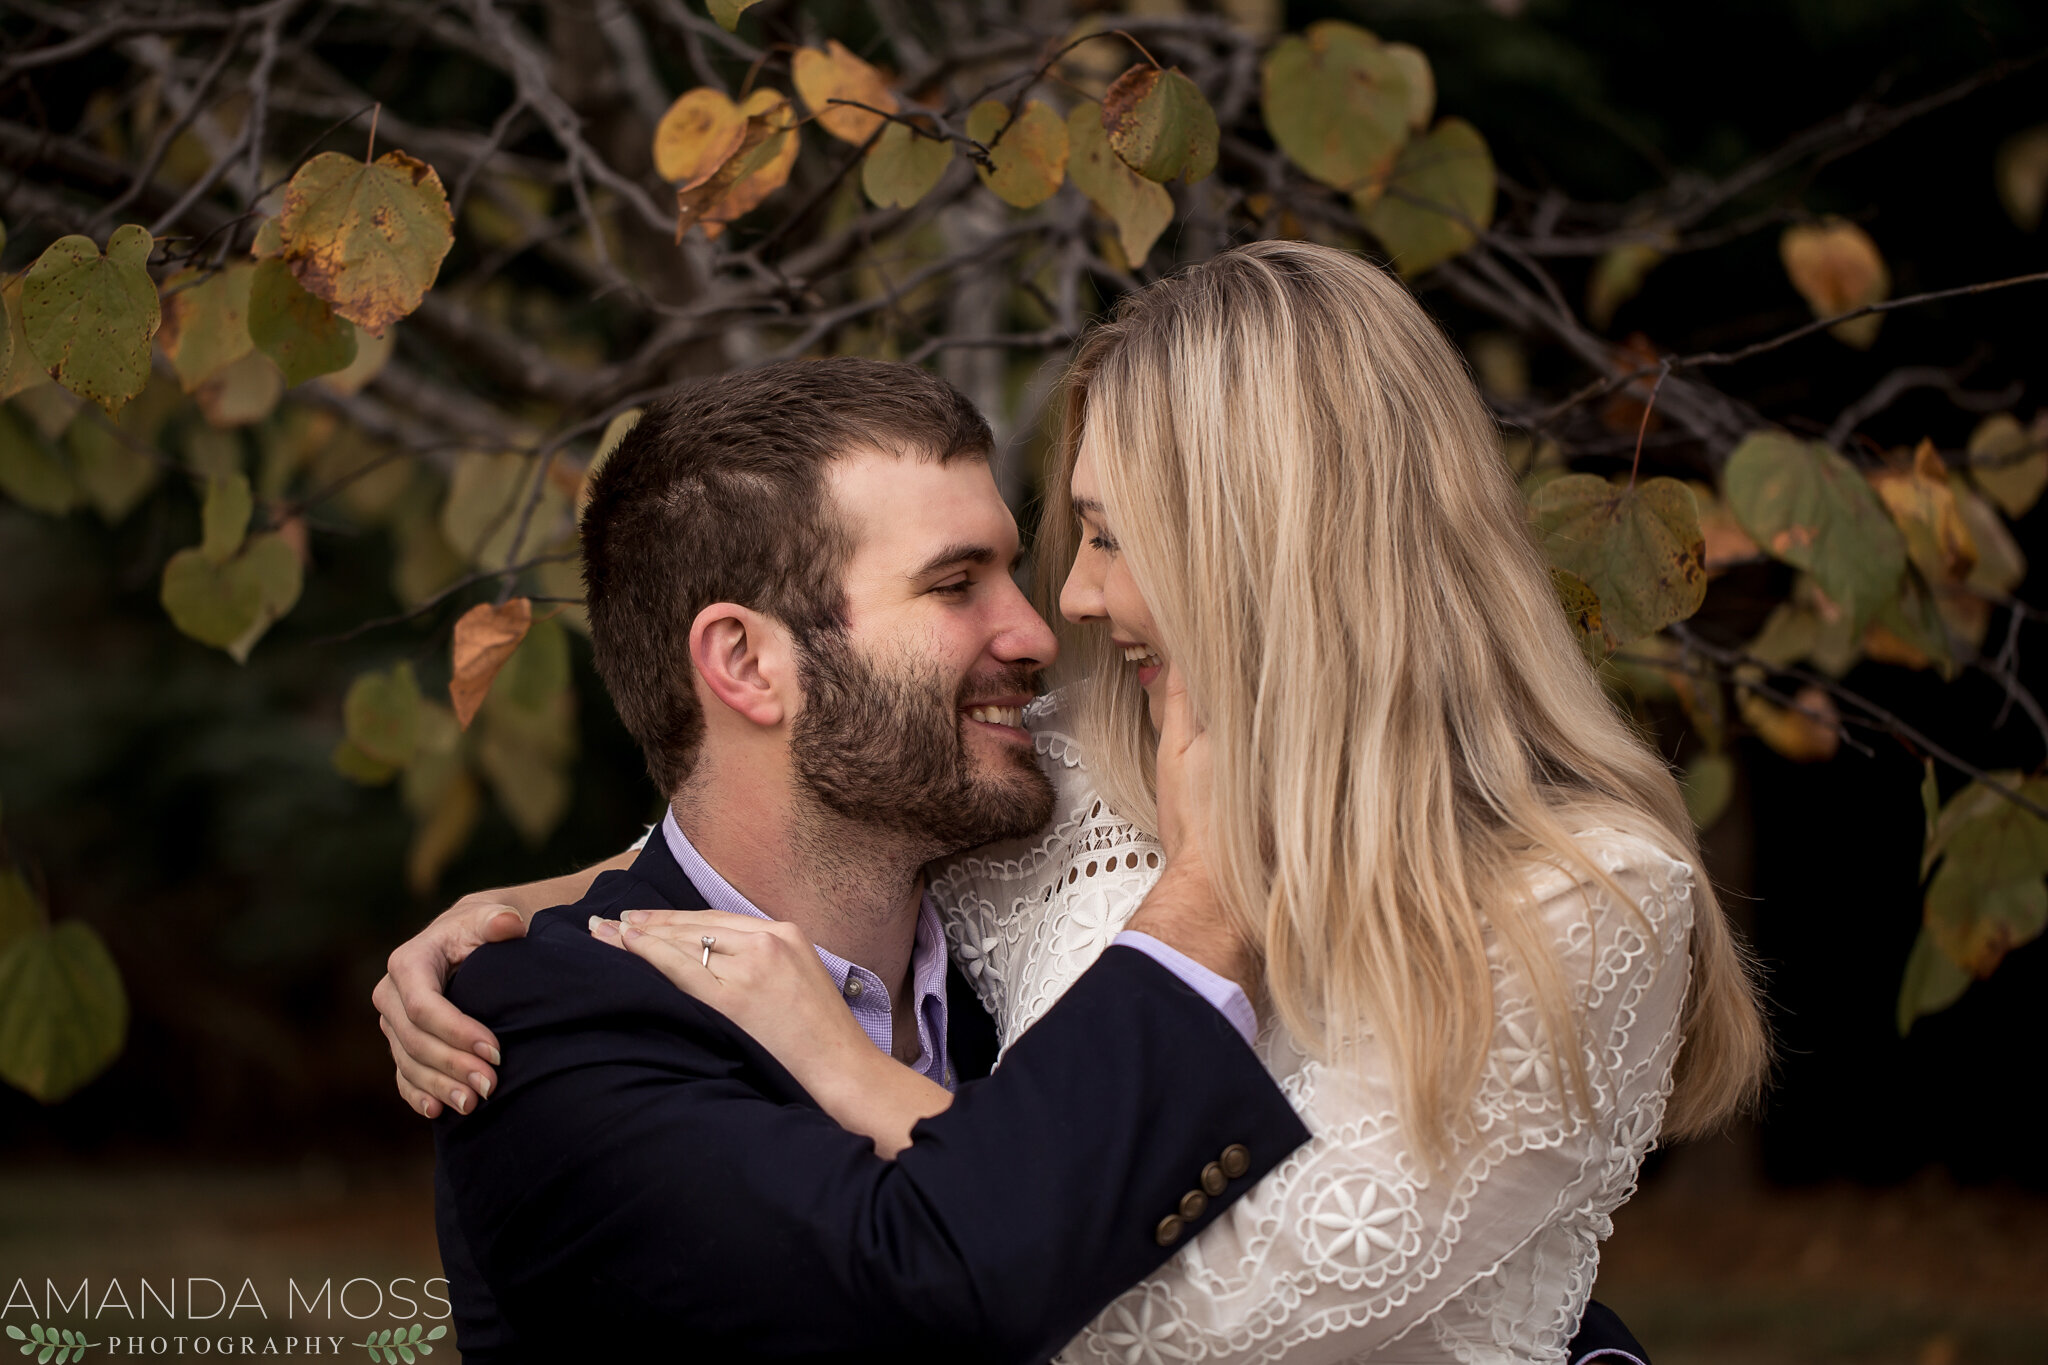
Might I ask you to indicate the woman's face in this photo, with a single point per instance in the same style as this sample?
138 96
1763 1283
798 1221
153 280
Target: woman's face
1099 590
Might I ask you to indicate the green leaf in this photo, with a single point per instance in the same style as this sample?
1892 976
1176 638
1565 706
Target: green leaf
230 605
2009 463
43 1356
405 1354
63 1013
301 333
206 322
381 715
1930 985
89 318
1988 897
1804 504
1159 124
32 472
1913 617
1031 157
1581 608
1140 208
1639 549
438 1333
1439 197
728 12
37 1330
902 167
1337 102
368 239
15 1332
485 496
1709 784
224 518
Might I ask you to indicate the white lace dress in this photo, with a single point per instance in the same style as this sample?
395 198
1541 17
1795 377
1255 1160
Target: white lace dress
1353 1249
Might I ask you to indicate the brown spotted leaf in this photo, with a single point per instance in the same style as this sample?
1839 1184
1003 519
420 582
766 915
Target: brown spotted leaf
89 318
1639 549
1140 208
1160 125
369 239
301 333
1337 102
1987 896
485 637
206 322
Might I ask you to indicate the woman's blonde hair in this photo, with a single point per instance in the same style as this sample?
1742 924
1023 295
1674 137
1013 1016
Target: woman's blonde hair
1311 498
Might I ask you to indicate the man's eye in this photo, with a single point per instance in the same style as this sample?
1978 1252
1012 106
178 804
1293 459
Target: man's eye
955 589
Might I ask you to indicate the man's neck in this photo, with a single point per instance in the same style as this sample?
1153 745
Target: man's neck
852 889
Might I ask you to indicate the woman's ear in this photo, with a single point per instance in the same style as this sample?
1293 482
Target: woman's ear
747 661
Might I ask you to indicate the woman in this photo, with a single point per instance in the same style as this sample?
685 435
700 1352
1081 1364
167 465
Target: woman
1477 893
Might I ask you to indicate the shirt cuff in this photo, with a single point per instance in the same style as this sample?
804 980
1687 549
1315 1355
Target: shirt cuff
1226 995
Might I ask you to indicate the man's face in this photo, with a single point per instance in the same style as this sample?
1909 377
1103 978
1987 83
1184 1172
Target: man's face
911 720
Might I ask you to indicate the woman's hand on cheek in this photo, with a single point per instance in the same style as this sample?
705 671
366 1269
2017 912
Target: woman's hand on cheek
1184 775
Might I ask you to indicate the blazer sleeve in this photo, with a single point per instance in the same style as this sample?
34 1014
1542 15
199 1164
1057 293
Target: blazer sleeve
656 1178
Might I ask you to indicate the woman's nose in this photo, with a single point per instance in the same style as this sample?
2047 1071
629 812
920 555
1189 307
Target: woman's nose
1081 594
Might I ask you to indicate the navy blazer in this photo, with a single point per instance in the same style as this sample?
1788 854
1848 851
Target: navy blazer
647 1177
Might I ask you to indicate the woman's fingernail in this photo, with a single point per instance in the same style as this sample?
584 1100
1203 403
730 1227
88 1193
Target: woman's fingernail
596 924
489 1054
634 916
460 1101
481 1082
632 933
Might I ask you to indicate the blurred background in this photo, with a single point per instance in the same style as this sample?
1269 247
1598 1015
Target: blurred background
1889 1204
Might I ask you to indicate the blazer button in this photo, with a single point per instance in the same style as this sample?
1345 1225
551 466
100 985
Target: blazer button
1169 1230
1193 1205
1213 1180
1236 1160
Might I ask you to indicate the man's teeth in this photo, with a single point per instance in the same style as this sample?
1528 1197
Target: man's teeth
997 715
1141 655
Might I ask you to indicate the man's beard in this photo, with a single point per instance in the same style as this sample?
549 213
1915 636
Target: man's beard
889 751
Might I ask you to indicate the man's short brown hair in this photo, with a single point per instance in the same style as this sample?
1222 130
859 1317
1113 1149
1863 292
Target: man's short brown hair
718 494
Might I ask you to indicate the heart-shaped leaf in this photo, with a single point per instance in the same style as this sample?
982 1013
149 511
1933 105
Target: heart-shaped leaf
1438 199
728 12
89 318
63 1012
1030 156
230 604
698 134
832 73
1806 505
1337 102
1639 549
902 167
380 714
1836 267
32 471
368 239
1140 208
206 322
1160 125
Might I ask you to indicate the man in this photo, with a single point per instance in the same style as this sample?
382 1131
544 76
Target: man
798 581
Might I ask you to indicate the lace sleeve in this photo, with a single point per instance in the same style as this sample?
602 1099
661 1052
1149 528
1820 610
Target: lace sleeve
1355 1244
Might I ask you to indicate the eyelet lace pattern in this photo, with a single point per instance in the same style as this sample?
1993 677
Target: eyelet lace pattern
1354 1249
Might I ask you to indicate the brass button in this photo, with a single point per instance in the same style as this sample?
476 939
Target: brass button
1236 1159
1213 1179
1169 1230
1193 1205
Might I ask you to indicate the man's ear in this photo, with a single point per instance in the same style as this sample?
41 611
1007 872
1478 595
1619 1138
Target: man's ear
746 660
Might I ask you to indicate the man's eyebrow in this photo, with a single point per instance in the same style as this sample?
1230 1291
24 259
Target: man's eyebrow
1087 507
954 555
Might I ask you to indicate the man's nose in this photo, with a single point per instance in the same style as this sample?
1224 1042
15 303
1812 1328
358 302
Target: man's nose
1024 635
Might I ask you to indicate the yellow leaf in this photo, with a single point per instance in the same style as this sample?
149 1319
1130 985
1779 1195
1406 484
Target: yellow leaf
1836 267
89 317
243 392
1031 156
2009 462
206 322
1807 732
367 239
902 167
697 135
757 170
2021 169
1921 503
833 73
1140 208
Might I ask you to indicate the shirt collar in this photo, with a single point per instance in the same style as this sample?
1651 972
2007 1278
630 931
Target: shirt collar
862 990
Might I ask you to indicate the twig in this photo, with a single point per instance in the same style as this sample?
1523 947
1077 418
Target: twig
468 580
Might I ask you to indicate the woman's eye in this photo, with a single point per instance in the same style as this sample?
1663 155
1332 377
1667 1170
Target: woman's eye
1102 543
